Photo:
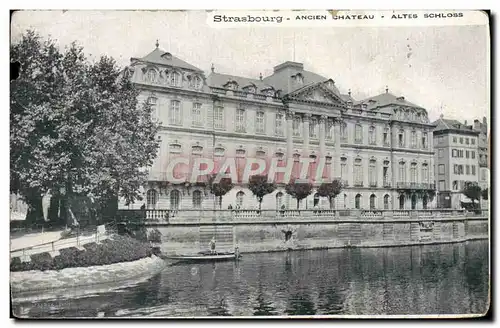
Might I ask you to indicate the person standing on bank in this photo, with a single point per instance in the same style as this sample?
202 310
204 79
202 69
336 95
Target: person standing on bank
212 245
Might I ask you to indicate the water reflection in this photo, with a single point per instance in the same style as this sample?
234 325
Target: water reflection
441 279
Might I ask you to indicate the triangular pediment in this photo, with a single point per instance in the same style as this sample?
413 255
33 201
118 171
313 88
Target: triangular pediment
318 93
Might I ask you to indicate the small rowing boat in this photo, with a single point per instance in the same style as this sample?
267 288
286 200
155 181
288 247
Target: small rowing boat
204 256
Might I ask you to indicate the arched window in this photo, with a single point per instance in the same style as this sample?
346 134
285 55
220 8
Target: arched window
372 135
413 139
175 79
316 199
402 172
197 199
279 200
239 199
424 202
373 200
386 202
402 202
175 198
357 201
413 202
197 82
151 198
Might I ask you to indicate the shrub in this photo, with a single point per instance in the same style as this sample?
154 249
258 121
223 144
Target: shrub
119 249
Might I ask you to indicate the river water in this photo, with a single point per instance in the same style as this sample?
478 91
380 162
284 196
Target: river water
437 279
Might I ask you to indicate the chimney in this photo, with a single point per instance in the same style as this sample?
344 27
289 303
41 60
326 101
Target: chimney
349 93
260 76
484 120
465 123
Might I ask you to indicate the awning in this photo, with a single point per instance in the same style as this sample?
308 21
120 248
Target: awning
465 199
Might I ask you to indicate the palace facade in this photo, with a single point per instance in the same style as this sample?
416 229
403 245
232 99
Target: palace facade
381 147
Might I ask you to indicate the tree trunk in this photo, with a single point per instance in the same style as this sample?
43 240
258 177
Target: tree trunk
260 205
298 203
35 210
220 202
54 209
330 199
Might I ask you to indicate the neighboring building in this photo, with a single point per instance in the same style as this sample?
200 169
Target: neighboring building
381 146
483 151
457 160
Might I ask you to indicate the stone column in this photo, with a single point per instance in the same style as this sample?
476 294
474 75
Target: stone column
394 164
289 134
336 156
322 135
306 119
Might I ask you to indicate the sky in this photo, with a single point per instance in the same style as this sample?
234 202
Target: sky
442 69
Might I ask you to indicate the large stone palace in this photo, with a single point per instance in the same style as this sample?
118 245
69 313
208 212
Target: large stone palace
381 147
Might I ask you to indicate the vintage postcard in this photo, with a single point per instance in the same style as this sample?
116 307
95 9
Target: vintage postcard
250 164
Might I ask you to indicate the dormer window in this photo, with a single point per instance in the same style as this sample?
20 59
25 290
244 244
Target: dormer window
268 92
298 78
167 56
197 82
151 75
175 79
400 98
231 85
250 89
330 84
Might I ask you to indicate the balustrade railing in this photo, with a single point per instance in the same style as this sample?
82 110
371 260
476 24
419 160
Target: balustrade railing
166 216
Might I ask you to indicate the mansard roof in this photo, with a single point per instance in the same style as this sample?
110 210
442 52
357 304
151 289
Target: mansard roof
385 99
161 57
453 125
218 80
281 79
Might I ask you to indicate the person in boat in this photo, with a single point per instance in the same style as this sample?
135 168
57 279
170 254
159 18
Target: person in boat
212 245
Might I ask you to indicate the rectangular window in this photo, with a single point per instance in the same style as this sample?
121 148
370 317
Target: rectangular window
329 129
441 168
461 169
440 153
424 140
402 172
153 101
343 170
441 185
425 173
473 154
358 133
454 139
473 141
372 135
453 153
372 174
175 112
386 137
358 173
278 125
401 139
466 141
466 154
196 115
467 169
440 140
296 126
413 139
313 133
343 132
461 153
259 122
219 118
461 140
240 120
413 173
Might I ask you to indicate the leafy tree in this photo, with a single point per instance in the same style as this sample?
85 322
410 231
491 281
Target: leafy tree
472 191
76 128
330 190
299 190
484 194
219 189
260 187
